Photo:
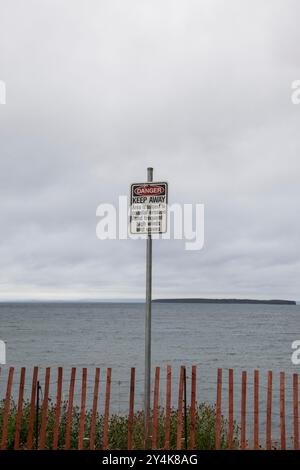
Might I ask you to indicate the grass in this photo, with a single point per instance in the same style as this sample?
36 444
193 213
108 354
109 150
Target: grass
117 433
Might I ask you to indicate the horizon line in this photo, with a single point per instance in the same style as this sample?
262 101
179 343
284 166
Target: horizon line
134 299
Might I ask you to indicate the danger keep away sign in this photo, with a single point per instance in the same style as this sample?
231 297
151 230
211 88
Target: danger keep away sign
148 208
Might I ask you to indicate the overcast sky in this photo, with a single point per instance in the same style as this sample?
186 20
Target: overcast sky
99 90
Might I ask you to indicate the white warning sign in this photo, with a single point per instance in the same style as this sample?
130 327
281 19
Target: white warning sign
148 208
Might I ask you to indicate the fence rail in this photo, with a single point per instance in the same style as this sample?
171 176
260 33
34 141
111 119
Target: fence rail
44 424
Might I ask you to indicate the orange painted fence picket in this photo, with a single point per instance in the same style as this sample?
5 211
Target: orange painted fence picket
20 406
256 410
282 411
179 408
7 407
70 408
39 436
155 409
94 409
82 412
230 408
32 408
193 408
218 409
243 410
269 411
57 408
168 408
296 411
42 439
106 411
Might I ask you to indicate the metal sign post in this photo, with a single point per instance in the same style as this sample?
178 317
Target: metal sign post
147 391
148 214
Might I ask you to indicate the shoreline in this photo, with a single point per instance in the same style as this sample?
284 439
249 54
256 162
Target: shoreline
227 301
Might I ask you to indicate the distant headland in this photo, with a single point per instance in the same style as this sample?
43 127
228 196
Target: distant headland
227 301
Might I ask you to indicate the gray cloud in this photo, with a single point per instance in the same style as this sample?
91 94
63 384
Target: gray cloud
99 90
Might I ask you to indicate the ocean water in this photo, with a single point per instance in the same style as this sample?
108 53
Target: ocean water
211 336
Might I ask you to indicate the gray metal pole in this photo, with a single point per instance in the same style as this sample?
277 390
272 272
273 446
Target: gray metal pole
148 333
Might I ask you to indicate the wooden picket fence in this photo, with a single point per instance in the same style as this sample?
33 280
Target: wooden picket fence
181 409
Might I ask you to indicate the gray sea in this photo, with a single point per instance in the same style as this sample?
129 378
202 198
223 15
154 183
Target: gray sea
211 336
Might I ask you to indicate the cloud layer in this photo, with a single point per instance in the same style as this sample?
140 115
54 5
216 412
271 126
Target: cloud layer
99 90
